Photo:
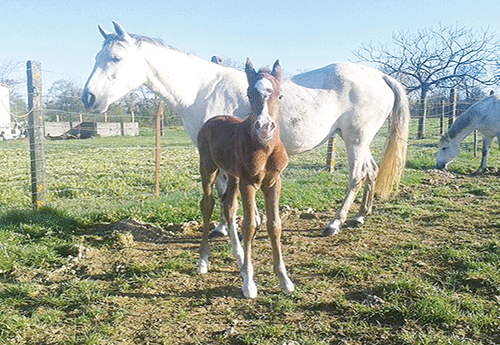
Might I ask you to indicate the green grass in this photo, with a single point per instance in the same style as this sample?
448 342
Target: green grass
424 269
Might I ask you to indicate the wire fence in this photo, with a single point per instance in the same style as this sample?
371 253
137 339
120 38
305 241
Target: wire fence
101 173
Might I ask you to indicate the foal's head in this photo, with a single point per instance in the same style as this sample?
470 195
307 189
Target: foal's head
264 93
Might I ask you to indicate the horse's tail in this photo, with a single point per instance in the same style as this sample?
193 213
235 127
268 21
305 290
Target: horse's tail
394 157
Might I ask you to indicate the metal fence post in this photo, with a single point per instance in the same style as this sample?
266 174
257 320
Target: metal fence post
159 115
330 154
35 128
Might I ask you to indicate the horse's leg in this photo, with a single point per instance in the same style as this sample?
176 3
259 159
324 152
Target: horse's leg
208 172
371 171
221 229
229 208
248 229
355 180
258 220
221 186
271 198
486 149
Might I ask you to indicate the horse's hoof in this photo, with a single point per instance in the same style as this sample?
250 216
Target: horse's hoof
202 267
216 234
330 230
250 290
357 221
287 287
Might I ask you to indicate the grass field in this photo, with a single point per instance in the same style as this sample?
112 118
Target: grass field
107 263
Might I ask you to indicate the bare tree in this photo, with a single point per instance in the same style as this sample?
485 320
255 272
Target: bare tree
63 96
437 58
8 71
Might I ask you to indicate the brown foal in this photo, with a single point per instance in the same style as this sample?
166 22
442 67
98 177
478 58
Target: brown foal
253 156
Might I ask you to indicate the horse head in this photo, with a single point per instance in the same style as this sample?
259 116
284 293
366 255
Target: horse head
264 93
447 151
118 69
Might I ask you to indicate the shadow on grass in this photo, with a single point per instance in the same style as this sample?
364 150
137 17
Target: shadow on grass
47 219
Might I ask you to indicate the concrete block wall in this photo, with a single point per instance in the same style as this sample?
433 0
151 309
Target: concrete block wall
104 129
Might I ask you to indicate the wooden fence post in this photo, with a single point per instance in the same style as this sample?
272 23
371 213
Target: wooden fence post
441 117
159 115
422 114
452 114
35 128
330 153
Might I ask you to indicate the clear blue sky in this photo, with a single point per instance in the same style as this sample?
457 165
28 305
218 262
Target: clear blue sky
304 35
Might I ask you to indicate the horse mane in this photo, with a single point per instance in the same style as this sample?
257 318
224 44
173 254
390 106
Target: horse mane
463 121
459 125
113 38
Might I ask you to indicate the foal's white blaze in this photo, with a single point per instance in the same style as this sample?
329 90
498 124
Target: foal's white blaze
264 86
265 124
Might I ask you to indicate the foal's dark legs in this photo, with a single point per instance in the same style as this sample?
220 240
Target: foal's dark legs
248 229
208 172
221 228
229 208
272 198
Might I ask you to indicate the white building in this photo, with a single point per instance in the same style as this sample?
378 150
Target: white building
4 108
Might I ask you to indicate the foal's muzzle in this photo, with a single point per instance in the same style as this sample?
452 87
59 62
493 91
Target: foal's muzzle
265 129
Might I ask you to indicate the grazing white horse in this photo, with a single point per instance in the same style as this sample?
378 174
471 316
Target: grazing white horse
347 98
483 116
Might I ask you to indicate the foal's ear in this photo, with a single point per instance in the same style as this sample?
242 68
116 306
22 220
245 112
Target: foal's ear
249 69
120 31
103 32
277 71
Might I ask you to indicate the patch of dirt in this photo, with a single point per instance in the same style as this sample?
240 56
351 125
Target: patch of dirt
139 231
164 299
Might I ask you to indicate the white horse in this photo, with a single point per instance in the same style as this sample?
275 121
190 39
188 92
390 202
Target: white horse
347 98
483 116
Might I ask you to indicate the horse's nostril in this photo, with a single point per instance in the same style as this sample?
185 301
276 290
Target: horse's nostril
88 99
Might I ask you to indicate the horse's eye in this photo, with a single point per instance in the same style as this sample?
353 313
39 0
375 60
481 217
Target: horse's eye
280 97
115 59
444 148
